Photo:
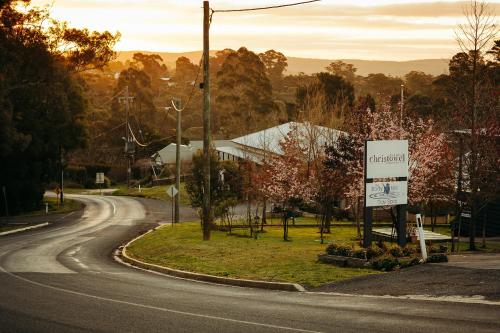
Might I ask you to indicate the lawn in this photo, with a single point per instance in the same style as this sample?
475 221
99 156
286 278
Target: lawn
266 258
155 192
69 206
54 208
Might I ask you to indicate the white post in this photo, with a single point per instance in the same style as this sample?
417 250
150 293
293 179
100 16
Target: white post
139 188
46 208
421 236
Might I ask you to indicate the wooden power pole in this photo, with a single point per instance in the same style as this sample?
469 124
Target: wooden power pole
206 123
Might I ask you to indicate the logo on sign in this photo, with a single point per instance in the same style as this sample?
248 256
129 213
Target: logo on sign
388 158
385 191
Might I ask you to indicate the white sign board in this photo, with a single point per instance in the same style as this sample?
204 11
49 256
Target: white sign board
99 178
386 159
172 191
386 194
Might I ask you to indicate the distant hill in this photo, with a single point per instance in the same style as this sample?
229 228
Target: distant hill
309 66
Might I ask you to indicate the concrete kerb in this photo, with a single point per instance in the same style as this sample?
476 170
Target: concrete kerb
121 253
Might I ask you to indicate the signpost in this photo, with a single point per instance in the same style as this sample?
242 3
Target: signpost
99 179
387 162
172 192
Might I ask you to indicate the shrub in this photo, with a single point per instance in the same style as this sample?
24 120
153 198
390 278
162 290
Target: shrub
438 257
385 263
331 249
339 250
359 253
395 251
438 249
404 263
373 252
408 251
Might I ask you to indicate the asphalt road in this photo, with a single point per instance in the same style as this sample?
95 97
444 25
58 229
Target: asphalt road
63 279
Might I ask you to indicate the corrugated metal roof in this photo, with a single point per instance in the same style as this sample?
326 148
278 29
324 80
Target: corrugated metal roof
269 139
237 152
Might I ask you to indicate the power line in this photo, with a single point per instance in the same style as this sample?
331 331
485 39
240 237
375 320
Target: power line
135 139
262 8
109 100
108 131
150 142
191 94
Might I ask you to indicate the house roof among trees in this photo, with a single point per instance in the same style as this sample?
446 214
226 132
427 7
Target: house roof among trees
269 139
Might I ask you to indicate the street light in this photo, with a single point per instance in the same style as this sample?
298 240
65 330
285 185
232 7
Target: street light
176 105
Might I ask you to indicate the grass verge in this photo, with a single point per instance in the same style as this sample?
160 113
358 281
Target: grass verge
267 258
155 192
54 208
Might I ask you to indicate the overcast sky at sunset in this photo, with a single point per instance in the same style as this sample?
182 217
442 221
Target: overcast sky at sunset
330 29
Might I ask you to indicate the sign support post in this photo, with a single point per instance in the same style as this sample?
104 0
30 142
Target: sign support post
172 192
367 211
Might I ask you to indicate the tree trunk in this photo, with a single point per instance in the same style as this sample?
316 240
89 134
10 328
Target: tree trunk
328 216
433 220
356 217
264 218
484 230
249 215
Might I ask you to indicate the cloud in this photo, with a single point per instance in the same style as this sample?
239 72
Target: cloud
388 29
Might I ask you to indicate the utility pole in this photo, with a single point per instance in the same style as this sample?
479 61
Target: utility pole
4 190
177 104
129 148
206 122
61 156
402 109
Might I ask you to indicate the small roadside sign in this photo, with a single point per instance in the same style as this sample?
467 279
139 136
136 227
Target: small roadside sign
172 191
99 178
466 214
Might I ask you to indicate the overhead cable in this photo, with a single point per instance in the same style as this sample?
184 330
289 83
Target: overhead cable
262 8
108 131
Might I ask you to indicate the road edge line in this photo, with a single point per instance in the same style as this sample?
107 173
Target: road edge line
24 229
121 253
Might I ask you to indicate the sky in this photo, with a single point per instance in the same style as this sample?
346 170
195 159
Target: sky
329 29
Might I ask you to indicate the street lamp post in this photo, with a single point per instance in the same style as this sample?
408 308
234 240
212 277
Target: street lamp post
177 107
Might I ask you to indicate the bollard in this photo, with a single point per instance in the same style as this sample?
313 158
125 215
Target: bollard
46 208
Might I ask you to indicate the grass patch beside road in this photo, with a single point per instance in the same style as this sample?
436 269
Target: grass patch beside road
267 258
155 192
54 208
23 220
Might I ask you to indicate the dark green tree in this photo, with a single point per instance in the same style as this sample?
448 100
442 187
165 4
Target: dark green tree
336 90
244 99
42 104
342 69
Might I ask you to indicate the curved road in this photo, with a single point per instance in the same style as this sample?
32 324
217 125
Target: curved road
63 279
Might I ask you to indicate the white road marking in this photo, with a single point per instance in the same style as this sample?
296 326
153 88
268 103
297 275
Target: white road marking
192 314
65 216
449 299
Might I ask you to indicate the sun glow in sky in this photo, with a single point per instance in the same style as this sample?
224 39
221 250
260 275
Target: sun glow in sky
330 29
